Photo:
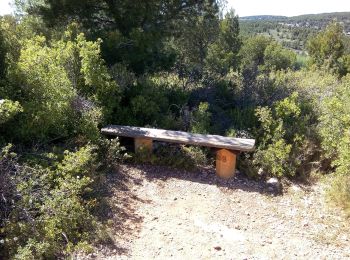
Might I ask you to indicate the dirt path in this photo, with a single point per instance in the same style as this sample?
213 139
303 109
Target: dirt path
162 213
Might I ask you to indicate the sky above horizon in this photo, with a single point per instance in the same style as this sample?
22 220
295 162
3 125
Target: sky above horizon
5 7
263 7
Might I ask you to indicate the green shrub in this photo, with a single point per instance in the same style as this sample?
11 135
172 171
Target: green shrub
335 117
340 187
47 90
181 157
68 92
200 121
111 153
51 214
156 100
8 109
177 156
339 192
284 137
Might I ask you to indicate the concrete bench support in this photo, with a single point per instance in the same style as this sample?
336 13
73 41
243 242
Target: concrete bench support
143 145
226 163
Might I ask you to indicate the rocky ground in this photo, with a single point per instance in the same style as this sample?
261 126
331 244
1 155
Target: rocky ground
161 213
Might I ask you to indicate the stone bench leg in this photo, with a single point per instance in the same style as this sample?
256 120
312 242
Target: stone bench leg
226 163
143 145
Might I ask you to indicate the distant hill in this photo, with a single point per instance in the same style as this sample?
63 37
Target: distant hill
262 18
322 16
292 32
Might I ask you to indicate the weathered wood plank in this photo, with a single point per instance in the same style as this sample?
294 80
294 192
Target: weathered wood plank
238 144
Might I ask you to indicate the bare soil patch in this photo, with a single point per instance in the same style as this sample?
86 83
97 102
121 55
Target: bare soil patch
161 213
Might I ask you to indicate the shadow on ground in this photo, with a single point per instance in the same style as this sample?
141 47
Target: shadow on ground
207 176
117 209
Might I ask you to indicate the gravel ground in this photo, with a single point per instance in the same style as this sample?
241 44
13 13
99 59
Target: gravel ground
161 213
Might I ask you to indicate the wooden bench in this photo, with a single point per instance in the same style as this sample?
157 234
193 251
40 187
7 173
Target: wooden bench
228 147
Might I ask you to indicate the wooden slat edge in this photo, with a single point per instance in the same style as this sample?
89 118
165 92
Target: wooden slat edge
113 130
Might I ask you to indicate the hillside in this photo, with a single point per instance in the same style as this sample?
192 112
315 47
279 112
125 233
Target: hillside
294 31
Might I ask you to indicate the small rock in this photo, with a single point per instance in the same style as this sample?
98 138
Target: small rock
218 248
295 188
175 198
274 185
260 171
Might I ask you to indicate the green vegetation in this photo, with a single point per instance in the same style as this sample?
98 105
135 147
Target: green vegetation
67 68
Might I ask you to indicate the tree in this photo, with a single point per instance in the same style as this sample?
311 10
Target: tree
278 58
327 47
193 38
133 31
264 54
3 51
223 54
253 52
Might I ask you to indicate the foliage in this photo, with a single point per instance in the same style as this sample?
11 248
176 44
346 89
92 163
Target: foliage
111 153
201 119
47 91
284 137
70 84
223 53
339 193
334 129
334 118
181 157
3 51
262 53
50 213
133 30
156 101
278 58
252 52
8 109
327 48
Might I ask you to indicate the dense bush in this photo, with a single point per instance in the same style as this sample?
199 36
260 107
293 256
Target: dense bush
284 139
69 84
334 129
8 109
47 210
328 47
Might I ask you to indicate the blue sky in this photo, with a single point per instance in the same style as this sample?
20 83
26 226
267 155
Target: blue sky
258 7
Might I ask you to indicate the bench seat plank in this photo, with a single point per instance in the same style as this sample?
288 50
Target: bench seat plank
238 144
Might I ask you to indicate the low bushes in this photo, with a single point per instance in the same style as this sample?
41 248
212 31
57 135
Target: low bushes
46 211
